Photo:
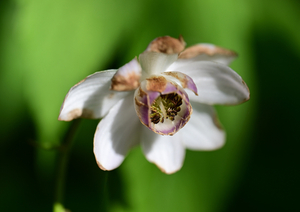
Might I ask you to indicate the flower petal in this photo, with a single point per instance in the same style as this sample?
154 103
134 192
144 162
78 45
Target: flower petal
208 52
181 79
154 63
116 133
167 152
167 45
127 77
90 98
203 131
163 108
216 83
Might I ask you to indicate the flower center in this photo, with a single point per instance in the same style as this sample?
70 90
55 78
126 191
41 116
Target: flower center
165 107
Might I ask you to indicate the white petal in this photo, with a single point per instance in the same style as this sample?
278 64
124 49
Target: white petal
167 152
216 83
203 131
154 63
207 52
127 77
90 98
116 134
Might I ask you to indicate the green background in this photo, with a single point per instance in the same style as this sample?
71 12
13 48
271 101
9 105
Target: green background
48 46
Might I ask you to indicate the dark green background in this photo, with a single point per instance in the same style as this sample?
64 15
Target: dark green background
48 46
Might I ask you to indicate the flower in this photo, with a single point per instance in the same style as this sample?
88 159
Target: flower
170 91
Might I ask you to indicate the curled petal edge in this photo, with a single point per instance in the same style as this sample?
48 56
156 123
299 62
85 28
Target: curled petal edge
207 52
205 48
144 100
182 79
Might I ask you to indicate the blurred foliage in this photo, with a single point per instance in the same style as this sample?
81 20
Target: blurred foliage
48 46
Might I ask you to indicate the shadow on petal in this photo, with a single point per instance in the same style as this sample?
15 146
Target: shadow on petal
116 134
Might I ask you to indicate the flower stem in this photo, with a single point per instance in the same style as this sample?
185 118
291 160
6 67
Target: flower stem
105 192
62 166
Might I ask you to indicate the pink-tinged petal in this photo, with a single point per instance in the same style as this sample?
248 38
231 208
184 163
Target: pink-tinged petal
203 131
167 45
142 102
170 102
116 133
182 79
127 77
207 52
166 152
216 82
90 98
154 63
170 88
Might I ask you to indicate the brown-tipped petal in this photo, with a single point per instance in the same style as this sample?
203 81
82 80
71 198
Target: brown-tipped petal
167 45
127 77
182 79
90 98
208 52
156 83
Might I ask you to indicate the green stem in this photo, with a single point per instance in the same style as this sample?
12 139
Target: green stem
105 192
62 167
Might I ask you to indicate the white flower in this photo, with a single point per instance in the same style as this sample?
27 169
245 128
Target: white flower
152 91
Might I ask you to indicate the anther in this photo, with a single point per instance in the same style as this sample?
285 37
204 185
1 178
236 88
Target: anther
165 107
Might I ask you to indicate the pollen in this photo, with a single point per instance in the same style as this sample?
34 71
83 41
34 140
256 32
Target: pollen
165 107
